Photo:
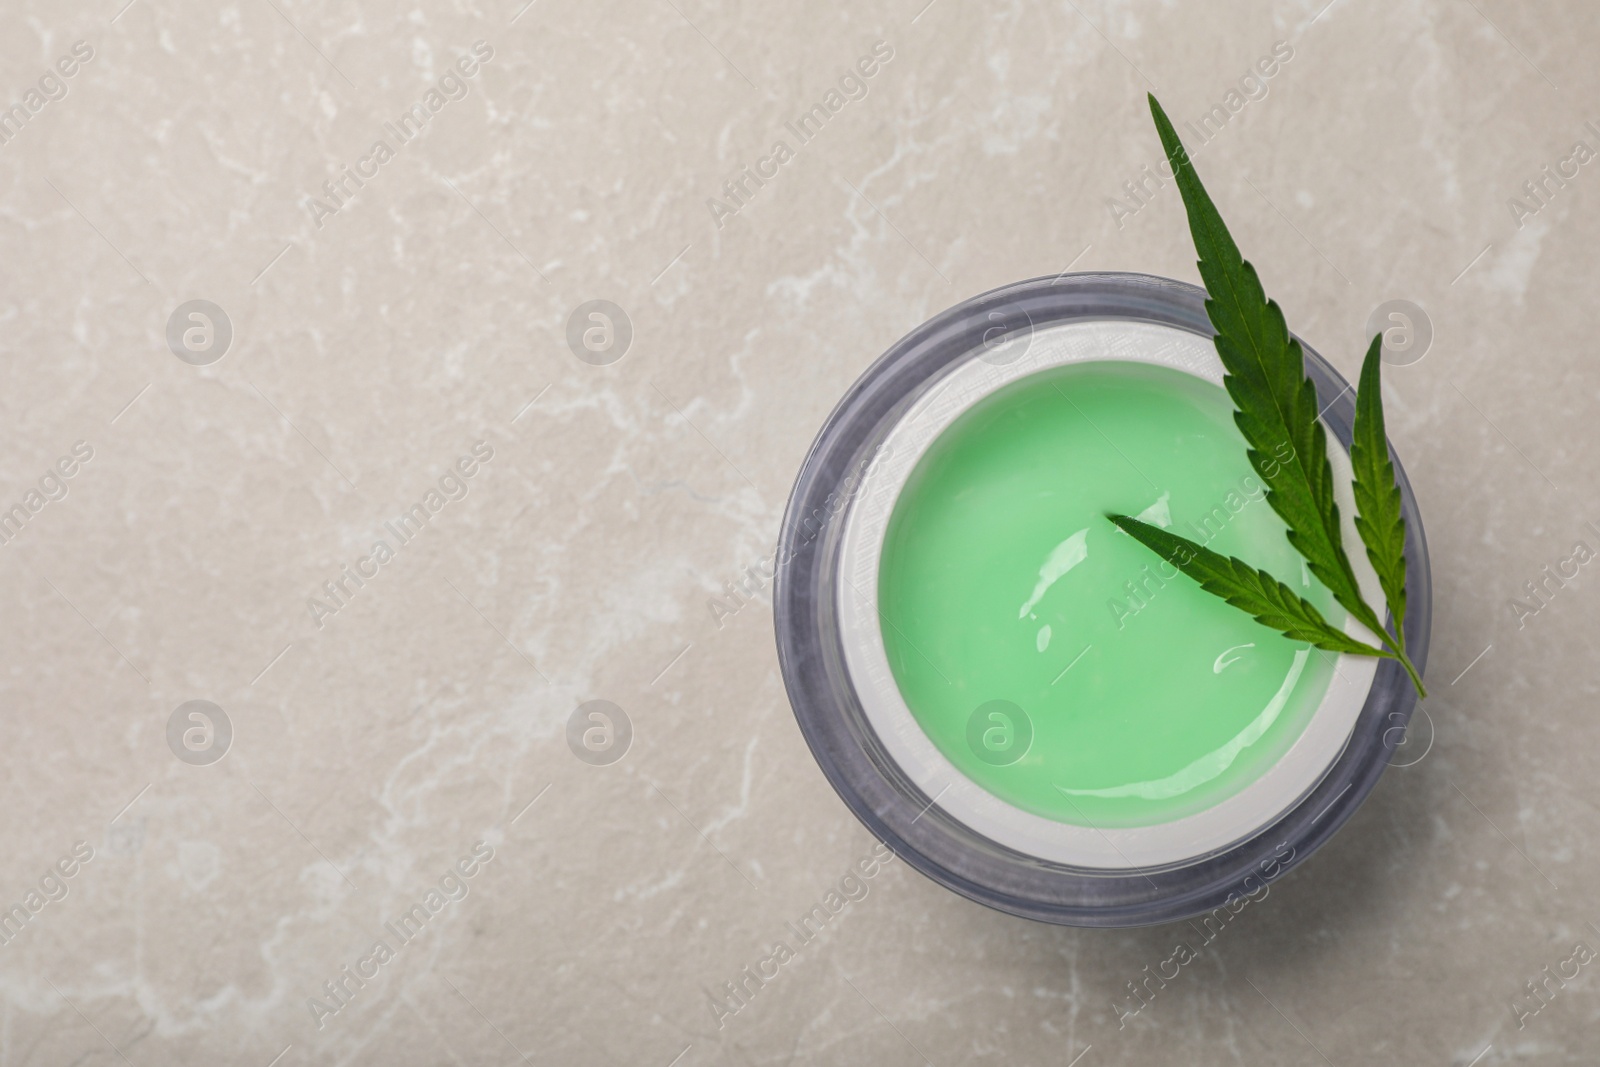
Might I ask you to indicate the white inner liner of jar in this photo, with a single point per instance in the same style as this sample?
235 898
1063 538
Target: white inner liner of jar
1191 838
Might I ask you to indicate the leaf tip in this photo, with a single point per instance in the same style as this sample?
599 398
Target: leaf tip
1372 362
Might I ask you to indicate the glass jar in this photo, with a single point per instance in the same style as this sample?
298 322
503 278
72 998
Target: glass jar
905 800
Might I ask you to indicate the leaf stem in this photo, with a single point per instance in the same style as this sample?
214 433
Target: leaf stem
1416 679
1396 650
1399 641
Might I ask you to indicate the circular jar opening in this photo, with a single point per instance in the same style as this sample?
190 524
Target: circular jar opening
1071 694
1028 705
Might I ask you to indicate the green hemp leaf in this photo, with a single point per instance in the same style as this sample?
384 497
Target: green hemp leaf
1277 414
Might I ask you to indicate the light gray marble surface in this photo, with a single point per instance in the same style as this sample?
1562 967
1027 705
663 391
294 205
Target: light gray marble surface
373 747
